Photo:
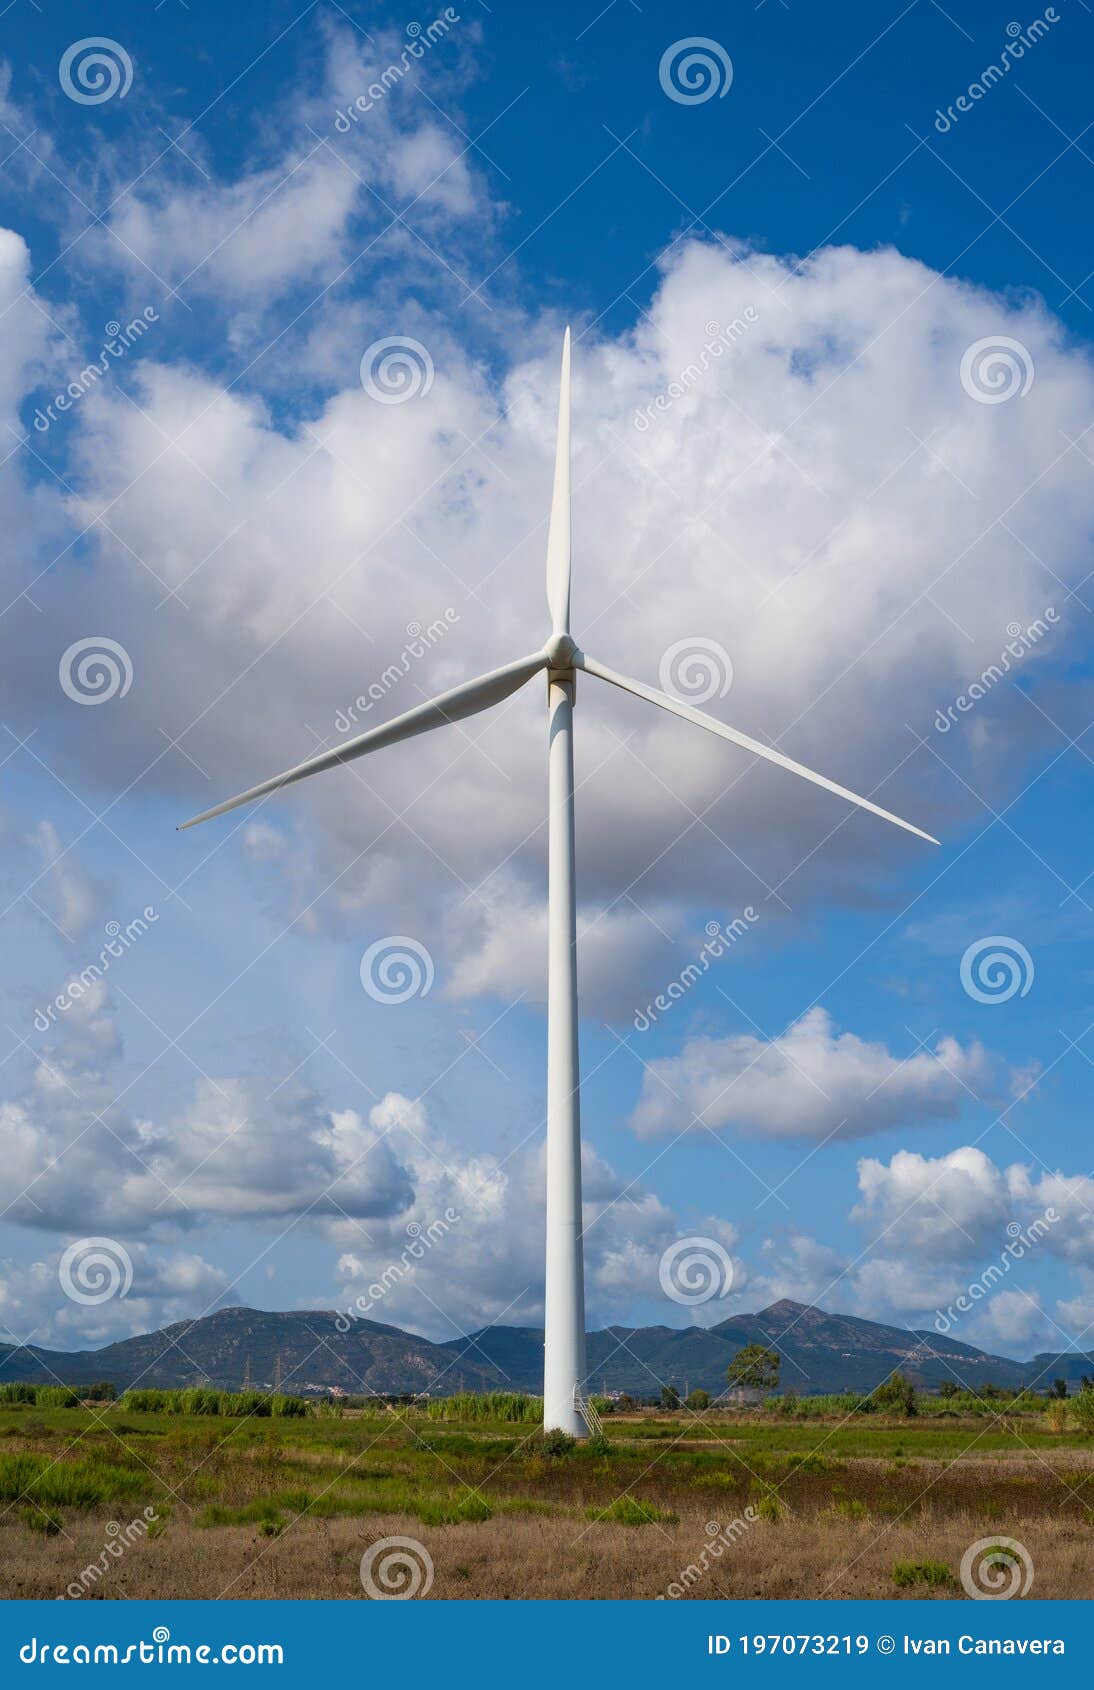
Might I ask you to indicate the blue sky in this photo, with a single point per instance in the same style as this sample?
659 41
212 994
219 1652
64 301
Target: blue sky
853 508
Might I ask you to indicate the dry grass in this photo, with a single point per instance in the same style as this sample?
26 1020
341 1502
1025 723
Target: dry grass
265 1509
540 1558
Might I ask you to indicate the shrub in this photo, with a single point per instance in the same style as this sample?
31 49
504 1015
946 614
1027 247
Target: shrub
17 1393
41 1520
555 1443
629 1511
1082 1409
907 1573
55 1396
897 1396
698 1400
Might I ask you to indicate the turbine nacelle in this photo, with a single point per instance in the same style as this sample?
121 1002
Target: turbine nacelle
561 652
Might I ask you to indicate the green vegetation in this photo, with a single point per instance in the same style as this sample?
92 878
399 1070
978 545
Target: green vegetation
40 1396
202 1399
487 1405
907 1573
755 1368
628 1511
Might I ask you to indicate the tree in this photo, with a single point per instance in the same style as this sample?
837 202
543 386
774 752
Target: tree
698 1400
1059 1387
896 1396
755 1368
947 1388
670 1397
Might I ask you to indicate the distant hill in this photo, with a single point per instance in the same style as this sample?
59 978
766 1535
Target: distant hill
308 1353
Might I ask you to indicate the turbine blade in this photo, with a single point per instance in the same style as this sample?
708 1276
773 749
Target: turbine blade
465 700
701 720
558 534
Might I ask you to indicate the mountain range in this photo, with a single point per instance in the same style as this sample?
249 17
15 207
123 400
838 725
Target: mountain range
310 1352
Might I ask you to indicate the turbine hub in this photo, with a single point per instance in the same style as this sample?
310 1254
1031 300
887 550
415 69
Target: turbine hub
560 651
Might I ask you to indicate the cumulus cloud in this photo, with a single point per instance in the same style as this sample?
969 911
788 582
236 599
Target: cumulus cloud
34 1308
241 1147
784 493
486 1264
811 1082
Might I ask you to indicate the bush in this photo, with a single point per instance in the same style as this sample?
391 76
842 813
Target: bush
629 1511
896 1396
907 1573
41 1520
55 1396
17 1393
698 1400
555 1443
1082 1409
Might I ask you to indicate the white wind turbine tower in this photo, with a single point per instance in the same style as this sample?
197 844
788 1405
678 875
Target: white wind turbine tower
564 1341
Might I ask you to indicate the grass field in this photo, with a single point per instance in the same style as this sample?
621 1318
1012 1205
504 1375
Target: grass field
102 1502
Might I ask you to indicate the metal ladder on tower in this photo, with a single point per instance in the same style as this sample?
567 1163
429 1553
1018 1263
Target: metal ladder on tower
589 1413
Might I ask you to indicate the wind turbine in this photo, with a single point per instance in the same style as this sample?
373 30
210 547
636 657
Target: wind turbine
564 1406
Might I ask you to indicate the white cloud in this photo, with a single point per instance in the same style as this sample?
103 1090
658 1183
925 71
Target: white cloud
302 551
812 1082
487 1265
34 1308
